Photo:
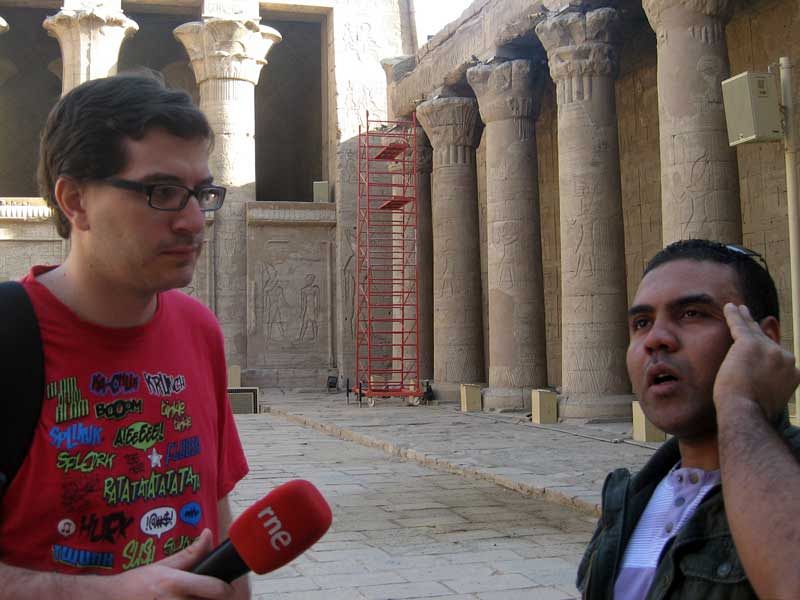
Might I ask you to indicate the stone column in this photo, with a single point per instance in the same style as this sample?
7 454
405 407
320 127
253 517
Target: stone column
425 254
90 33
451 125
508 95
583 64
699 174
227 56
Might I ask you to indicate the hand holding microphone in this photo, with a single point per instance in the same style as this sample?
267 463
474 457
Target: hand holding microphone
271 533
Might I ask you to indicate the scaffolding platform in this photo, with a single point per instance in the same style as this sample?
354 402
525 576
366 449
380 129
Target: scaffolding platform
387 275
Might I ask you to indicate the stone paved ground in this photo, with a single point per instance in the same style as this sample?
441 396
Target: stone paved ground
402 530
566 463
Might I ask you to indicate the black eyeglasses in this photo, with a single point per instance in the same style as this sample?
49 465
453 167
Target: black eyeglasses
747 252
173 196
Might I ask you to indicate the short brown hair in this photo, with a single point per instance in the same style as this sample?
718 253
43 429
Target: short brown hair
85 131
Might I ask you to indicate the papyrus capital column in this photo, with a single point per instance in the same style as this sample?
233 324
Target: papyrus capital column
699 174
508 98
227 56
90 35
583 63
452 126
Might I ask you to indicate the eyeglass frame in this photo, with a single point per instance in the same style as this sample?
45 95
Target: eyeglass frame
742 251
147 189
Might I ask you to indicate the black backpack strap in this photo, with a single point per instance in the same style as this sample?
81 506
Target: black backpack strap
22 369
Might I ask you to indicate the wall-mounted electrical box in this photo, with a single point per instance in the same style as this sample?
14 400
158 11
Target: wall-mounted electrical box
752 108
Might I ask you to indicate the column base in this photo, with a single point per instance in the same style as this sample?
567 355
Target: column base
592 406
446 391
499 399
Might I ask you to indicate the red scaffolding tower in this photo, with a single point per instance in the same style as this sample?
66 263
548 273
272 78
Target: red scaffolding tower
387 277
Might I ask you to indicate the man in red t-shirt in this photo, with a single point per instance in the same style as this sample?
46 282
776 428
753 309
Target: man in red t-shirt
136 450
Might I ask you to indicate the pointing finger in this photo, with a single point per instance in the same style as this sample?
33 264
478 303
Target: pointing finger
735 320
748 319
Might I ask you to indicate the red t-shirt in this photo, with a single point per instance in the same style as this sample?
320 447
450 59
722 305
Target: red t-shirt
135 445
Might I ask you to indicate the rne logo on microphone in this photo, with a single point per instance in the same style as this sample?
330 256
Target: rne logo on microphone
274 527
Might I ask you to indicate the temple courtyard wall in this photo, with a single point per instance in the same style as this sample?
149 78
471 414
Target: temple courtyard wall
615 107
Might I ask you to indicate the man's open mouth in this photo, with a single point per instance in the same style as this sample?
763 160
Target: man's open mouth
660 376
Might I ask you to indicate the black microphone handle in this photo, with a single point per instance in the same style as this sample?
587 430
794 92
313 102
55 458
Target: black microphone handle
223 563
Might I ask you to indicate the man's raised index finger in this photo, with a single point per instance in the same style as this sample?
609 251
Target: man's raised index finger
736 321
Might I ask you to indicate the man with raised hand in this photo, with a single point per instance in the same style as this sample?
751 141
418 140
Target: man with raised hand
712 515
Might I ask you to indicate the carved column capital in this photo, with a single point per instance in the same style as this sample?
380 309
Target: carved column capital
508 90
655 9
579 44
90 41
3 25
227 49
450 121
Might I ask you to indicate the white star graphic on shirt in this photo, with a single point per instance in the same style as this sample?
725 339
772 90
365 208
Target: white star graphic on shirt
155 458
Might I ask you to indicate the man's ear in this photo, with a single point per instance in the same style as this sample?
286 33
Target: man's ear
771 328
70 195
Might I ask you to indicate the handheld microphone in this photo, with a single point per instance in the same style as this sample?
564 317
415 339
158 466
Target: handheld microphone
272 532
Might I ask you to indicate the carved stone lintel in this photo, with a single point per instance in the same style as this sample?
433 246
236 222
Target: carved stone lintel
227 49
450 121
509 90
579 44
90 41
230 9
721 9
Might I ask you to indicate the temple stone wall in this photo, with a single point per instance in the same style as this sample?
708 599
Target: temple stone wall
290 272
480 169
640 173
757 37
27 240
287 245
360 34
547 146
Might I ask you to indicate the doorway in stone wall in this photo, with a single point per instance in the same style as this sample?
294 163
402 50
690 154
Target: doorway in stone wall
290 110
30 84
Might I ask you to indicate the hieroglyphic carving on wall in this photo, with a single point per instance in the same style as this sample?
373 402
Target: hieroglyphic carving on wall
289 258
637 107
755 39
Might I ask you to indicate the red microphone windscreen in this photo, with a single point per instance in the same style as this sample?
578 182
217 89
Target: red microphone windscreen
281 526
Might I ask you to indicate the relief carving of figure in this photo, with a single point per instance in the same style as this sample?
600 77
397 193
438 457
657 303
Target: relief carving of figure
309 308
349 278
506 234
274 301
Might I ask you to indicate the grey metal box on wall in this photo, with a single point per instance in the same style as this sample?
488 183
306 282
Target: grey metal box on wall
752 108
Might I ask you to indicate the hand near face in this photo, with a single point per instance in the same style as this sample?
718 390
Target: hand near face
756 368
